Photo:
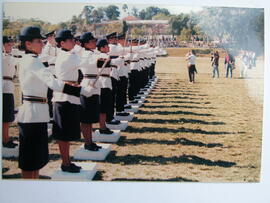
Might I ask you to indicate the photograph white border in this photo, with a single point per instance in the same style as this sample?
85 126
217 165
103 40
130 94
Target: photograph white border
129 192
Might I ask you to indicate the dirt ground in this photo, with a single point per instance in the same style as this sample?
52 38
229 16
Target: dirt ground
209 131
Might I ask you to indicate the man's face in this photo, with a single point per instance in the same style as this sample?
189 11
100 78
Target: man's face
105 49
8 47
68 44
91 44
112 41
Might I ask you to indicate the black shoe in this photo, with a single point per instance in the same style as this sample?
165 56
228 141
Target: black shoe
134 102
128 107
105 131
92 147
71 168
10 144
114 122
75 166
122 114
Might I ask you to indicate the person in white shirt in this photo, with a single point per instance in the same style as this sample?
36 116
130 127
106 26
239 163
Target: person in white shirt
8 91
48 57
113 52
89 105
191 58
106 112
66 108
33 114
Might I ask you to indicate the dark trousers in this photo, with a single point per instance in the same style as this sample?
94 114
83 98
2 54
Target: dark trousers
191 73
121 96
114 93
133 84
49 97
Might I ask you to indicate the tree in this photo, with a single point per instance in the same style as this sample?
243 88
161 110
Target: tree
97 15
142 14
161 16
135 12
86 14
242 28
178 23
125 8
125 27
112 12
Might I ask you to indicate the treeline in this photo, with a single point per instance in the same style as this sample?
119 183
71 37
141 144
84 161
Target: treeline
238 27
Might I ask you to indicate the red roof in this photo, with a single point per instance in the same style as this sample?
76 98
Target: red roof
128 18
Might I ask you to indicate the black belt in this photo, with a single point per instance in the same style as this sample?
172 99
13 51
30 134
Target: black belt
7 78
70 81
105 75
17 56
34 99
89 76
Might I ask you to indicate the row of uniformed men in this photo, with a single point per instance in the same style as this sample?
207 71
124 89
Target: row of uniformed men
105 75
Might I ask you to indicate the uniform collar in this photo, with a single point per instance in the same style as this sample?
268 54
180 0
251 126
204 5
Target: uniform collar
31 53
65 50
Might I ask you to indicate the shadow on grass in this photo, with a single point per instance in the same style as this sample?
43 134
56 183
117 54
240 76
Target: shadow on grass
179 101
54 157
131 129
156 91
177 94
5 169
18 176
147 160
175 97
177 121
177 141
99 175
178 106
174 112
177 179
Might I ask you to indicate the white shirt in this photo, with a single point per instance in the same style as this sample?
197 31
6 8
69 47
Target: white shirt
134 65
66 69
114 51
191 59
8 71
49 54
89 66
34 81
77 50
105 82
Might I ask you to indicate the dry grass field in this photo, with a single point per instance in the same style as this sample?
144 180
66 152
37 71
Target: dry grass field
209 131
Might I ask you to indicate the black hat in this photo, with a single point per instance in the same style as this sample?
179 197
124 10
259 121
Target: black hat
63 35
50 34
86 37
102 43
29 33
7 39
121 36
77 38
112 35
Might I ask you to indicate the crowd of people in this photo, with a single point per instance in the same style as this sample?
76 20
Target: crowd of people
248 61
72 82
